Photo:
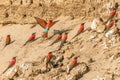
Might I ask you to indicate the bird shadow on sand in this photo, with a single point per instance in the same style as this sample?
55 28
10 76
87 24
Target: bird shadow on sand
34 25
12 41
36 39
31 41
8 44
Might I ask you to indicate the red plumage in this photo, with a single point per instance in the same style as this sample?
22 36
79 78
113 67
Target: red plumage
64 38
45 24
58 37
8 40
111 23
12 63
73 62
49 56
81 29
112 13
32 37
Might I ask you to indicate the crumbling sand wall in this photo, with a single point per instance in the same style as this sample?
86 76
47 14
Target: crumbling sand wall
23 11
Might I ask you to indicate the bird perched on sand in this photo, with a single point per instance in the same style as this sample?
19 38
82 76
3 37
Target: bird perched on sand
7 41
81 29
48 59
112 14
110 24
71 65
31 38
58 38
63 40
11 64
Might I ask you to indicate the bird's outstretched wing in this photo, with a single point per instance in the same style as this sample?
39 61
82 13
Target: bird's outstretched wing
52 23
41 22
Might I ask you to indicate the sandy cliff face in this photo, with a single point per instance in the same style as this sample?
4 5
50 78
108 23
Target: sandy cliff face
23 11
99 57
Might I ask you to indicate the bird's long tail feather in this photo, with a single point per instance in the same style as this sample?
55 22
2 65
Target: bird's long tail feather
5 70
75 36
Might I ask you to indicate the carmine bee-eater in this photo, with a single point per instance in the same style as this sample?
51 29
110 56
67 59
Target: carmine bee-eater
71 65
110 24
45 24
63 40
8 40
81 29
31 38
112 14
11 64
48 59
58 38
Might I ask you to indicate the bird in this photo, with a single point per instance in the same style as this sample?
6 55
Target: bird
71 65
45 24
45 34
31 38
81 29
48 58
112 14
64 37
11 64
63 40
7 41
58 37
110 24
